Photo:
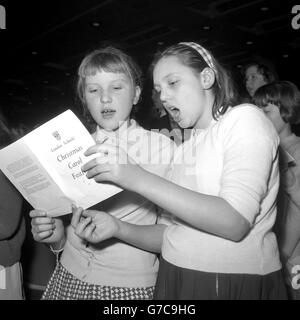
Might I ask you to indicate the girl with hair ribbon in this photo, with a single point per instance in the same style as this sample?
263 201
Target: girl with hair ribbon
223 188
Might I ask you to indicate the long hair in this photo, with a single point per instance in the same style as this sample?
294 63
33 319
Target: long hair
224 90
283 94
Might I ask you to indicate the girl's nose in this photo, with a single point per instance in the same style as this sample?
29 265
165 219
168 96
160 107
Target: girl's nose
163 95
105 97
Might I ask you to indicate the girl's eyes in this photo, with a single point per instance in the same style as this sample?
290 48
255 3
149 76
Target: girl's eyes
95 90
172 82
252 77
92 90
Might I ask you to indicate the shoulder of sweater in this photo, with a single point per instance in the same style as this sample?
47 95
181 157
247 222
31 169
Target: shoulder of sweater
243 110
248 119
247 115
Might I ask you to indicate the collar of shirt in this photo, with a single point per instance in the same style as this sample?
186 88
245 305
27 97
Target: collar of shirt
195 131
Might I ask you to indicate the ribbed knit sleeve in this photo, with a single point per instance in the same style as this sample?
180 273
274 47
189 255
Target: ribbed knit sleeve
250 145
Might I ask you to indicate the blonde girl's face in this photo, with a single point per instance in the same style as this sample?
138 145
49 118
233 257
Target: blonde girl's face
110 97
180 91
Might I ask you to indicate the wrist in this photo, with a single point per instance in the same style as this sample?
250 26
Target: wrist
58 245
124 230
119 228
138 180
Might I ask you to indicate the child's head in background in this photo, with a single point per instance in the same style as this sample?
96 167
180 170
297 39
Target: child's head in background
256 75
280 101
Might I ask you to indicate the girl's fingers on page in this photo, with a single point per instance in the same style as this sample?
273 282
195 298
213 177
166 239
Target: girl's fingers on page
44 227
45 234
37 213
98 170
89 165
101 148
90 213
91 150
76 216
82 225
94 163
40 221
41 235
104 176
99 161
88 231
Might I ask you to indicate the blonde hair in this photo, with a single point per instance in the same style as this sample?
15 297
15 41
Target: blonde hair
108 59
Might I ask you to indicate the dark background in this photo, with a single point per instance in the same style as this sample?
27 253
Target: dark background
44 42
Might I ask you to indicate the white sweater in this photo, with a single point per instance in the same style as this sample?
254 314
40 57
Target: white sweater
235 158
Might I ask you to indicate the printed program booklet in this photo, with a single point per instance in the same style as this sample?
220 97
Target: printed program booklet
45 166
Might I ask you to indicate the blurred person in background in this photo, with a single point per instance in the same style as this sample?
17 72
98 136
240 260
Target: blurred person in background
257 74
12 230
280 101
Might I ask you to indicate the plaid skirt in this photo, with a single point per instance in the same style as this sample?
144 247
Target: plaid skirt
64 286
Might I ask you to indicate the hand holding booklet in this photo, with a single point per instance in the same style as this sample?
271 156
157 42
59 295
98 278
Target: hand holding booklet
45 166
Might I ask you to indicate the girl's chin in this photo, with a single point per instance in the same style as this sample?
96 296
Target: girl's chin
110 126
182 124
